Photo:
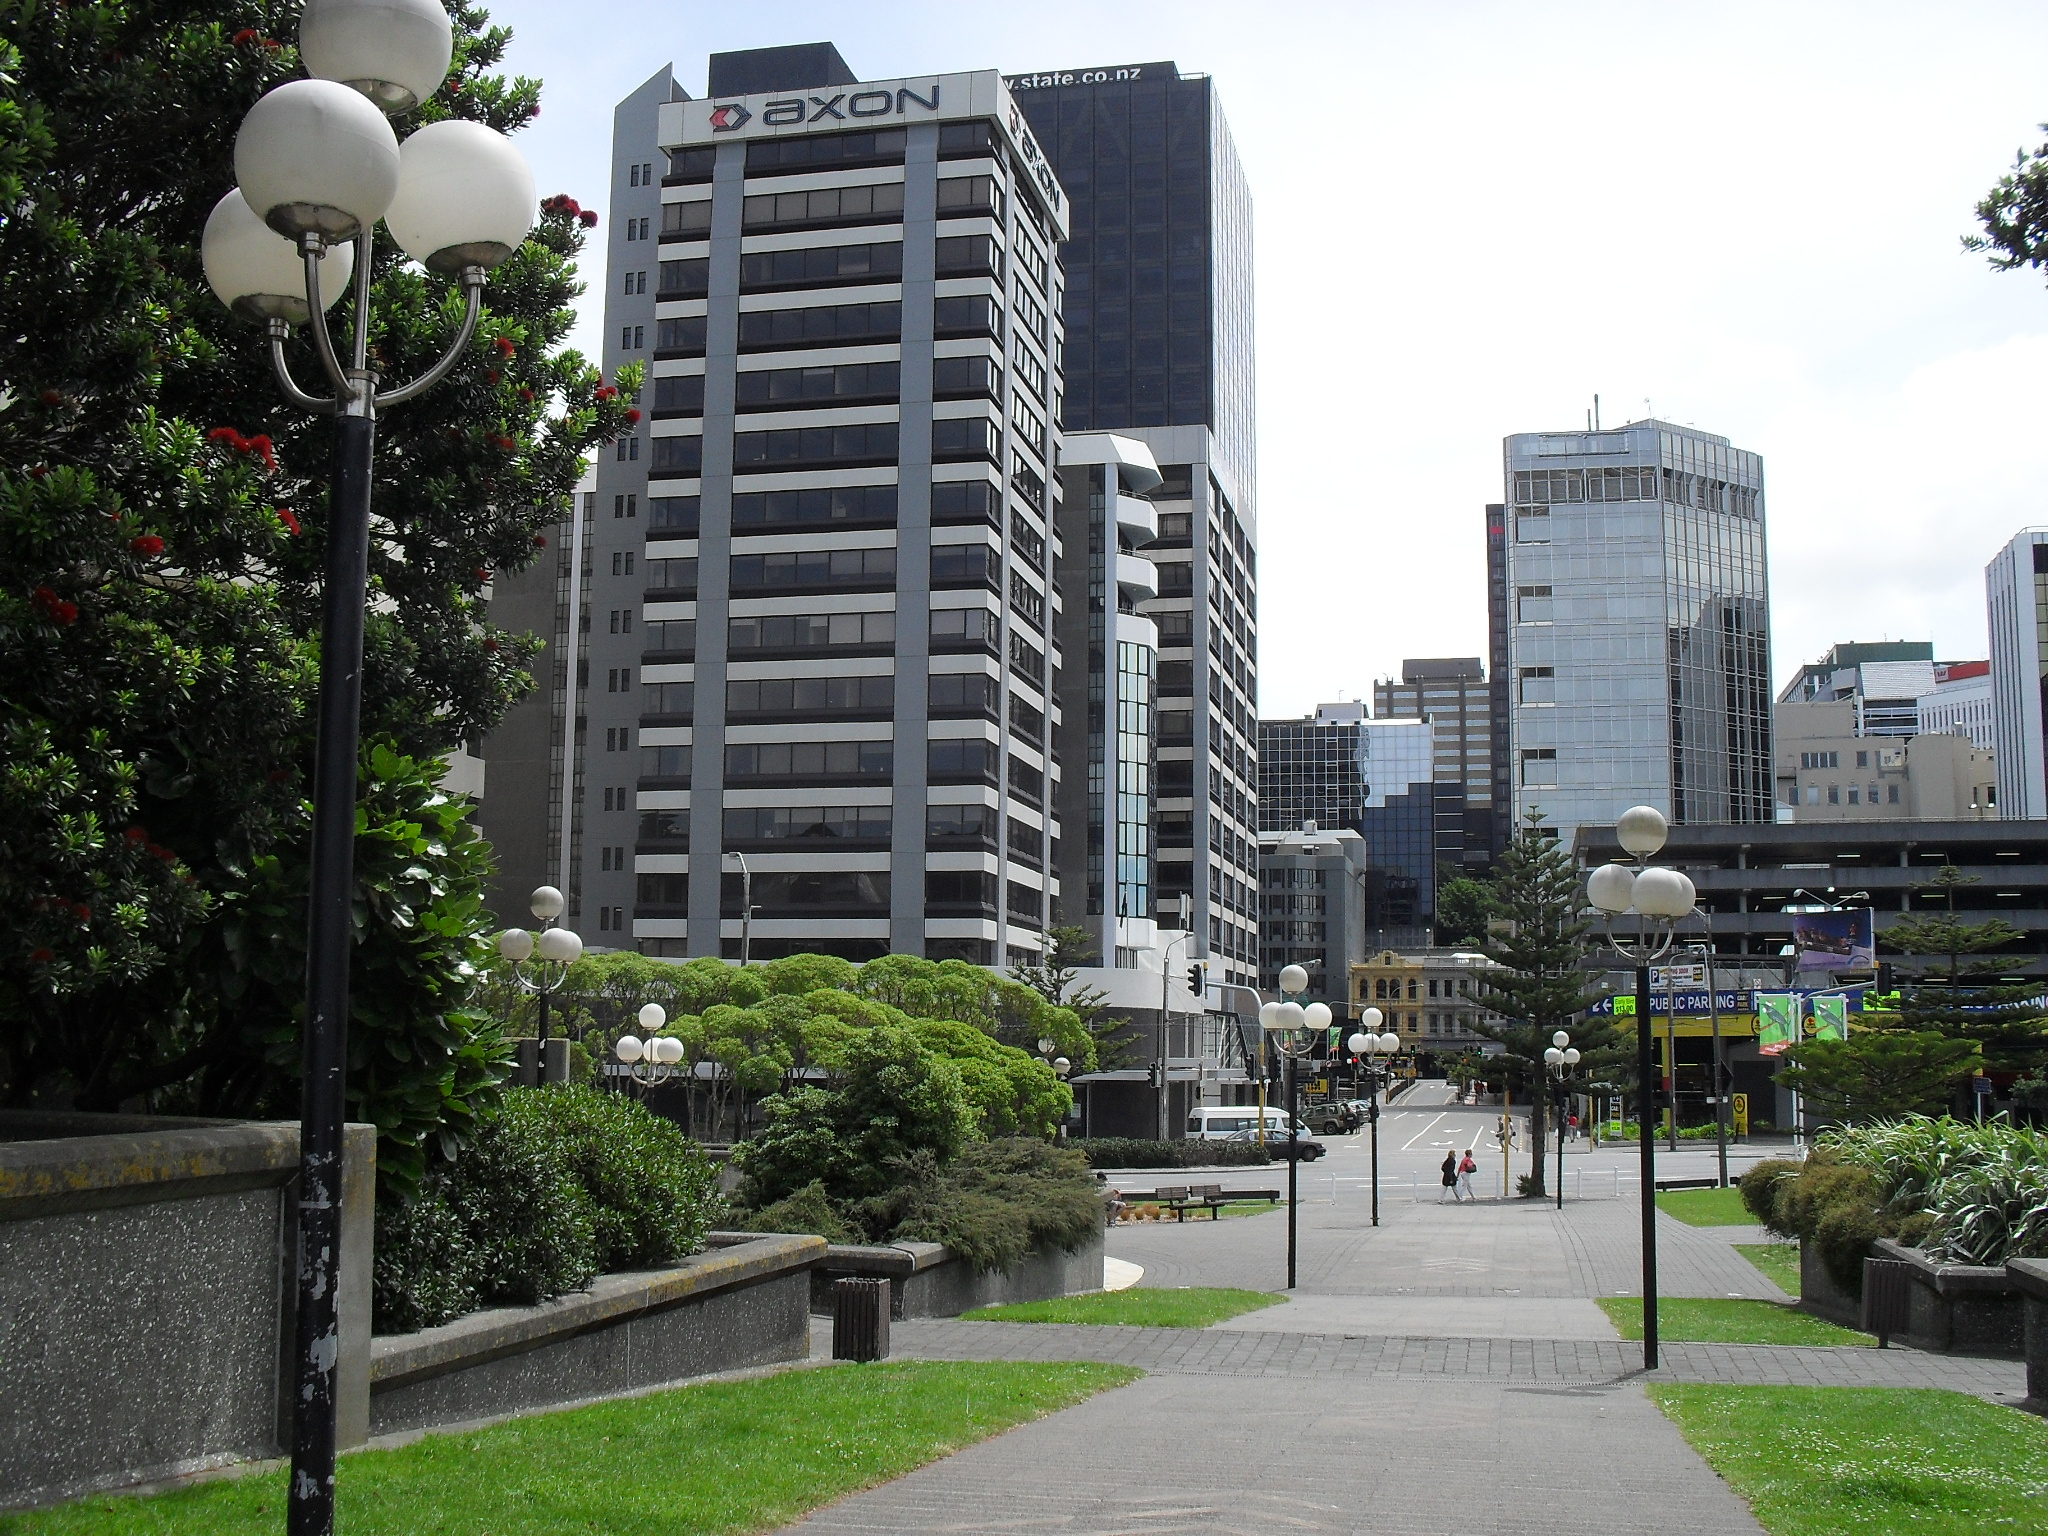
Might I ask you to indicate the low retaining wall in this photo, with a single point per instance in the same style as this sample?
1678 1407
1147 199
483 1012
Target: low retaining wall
1819 1294
929 1280
146 1270
1959 1309
2029 1277
742 1304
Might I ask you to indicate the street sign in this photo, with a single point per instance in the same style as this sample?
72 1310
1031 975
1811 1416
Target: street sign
1741 1116
1664 977
1980 1085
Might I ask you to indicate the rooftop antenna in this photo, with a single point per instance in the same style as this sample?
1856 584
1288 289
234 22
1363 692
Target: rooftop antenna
1596 413
1646 407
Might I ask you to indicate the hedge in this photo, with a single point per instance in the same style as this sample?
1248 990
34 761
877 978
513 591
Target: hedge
1135 1152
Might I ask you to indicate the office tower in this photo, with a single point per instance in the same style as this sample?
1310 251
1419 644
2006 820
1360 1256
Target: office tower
1828 770
1108 690
1397 759
1312 909
1454 695
1308 770
1499 668
1883 679
2016 600
1159 349
841 507
1960 702
1639 640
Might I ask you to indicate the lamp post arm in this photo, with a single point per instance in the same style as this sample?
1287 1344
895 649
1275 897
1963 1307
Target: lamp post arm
323 340
279 331
473 292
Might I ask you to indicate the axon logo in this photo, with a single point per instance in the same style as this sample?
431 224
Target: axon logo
726 118
843 107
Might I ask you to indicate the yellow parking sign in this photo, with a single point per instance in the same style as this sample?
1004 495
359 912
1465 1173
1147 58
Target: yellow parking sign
1741 1102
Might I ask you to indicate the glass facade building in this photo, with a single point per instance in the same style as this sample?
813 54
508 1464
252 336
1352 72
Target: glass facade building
1309 770
2016 603
1453 693
1638 626
1159 350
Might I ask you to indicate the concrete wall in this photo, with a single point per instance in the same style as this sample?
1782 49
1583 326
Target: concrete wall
2030 1278
927 1280
736 1306
146 1284
1959 1309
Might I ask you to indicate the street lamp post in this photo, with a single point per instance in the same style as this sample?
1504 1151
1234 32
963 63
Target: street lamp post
1560 1057
1294 1031
558 948
318 165
1371 1046
746 908
1659 898
651 1056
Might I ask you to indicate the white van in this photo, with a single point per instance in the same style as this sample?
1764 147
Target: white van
1219 1122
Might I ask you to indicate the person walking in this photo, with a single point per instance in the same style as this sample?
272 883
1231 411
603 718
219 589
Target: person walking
1466 1168
1450 1178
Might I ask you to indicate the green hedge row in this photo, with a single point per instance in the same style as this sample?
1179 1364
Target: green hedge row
1134 1152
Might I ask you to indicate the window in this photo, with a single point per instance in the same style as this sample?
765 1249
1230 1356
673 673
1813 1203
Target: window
967 256
973 140
678 456
676 637
1892 794
809 759
1026 780
1532 605
622 621
618 739
618 680
675 578
1027 720
827 205
1862 759
682 337
672 763
967 314
825 151
687 221
844 505
964 501
1030 313
686 165
802 631
797 892
1834 794
961 760
780 329
1026 905
684 279
821 266
960 196
670 514
961 378
1033 260
680 394
872 696
668 699
671 829
1854 798
947 823
963 629
626 506
955 438
1538 685
807 824
966 565
632 337
960 888
964 693
815 568
801 447
636 282
1027 600
1873 794
1820 760
1026 660
1532 525
628 450
844 382
1539 767
1029 542
1030 371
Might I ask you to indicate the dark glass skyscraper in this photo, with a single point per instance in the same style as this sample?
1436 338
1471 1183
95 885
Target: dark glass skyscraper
1159 348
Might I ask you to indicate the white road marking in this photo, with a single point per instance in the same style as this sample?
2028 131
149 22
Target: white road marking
1420 1134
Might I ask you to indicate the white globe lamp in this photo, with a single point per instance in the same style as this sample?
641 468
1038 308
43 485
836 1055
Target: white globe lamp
1611 888
546 903
314 157
465 197
516 945
652 1017
1293 978
396 52
1641 830
561 946
258 273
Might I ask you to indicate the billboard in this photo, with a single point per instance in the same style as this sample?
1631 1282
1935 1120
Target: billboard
1777 1022
1830 1016
1836 941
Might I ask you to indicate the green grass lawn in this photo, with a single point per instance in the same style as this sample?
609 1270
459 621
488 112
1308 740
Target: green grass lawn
1813 1461
1251 1208
1706 1207
723 1457
1778 1261
1188 1307
1726 1320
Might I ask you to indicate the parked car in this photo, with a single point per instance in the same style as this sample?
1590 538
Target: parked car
1335 1118
1282 1146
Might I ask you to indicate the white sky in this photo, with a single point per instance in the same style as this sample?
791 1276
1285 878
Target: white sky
1473 217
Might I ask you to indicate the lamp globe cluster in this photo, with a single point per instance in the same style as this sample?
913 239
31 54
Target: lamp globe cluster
1652 892
1560 1053
655 1048
318 164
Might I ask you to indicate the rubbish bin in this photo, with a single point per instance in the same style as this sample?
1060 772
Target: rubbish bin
860 1319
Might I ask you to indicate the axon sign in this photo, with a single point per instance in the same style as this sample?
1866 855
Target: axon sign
789 111
1034 157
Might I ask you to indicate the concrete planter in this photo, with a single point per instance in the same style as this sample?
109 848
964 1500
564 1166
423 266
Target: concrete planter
738 1305
146 1297
929 1280
1959 1309
2029 1277
1819 1294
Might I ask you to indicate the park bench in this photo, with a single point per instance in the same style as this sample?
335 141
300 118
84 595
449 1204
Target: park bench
1182 1198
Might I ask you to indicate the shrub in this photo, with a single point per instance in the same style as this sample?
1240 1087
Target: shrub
810 1209
558 1185
1981 1191
1134 1152
995 1203
1759 1188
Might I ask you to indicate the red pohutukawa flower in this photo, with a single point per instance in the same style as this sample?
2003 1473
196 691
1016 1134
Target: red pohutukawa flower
137 835
259 444
483 573
604 392
540 541
246 35
52 397
148 544
562 202
491 377
56 609
284 515
526 396
632 416
504 346
587 218
40 956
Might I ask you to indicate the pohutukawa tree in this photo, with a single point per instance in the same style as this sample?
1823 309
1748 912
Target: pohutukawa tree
162 513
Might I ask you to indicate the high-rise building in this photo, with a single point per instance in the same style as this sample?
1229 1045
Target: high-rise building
1639 640
841 507
1397 759
1960 701
1454 695
1884 679
1499 669
1312 909
1308 770
1159 350
2016 602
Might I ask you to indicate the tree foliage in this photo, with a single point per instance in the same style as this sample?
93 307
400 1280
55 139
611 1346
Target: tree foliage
1538 984
1880 1074
1955 982
1463 907
162 517
2014 214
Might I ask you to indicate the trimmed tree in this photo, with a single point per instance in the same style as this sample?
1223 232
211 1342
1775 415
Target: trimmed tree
1539 984
162 514
1879 1074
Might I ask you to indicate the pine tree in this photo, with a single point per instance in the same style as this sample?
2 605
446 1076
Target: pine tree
1954 983
162 518
1538 984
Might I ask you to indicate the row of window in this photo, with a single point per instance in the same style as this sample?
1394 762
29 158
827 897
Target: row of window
839 384
798 893
953 502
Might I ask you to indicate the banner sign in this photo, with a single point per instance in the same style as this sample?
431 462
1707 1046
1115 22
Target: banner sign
1690 1004
1836 941
1777 1022
1684 977
1831 1017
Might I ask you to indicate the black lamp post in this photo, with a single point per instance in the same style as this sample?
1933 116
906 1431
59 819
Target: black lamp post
1659 898
1375 1053
1294 1031
1560 1057
318 166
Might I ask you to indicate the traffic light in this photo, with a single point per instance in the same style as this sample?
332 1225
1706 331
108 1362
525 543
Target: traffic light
1152 1074
1198 978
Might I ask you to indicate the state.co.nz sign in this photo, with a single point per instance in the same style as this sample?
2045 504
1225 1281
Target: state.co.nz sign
789 111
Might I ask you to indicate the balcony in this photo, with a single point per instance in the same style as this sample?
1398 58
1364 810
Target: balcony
1136 519
1137 579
